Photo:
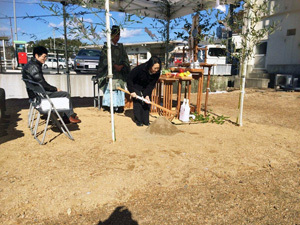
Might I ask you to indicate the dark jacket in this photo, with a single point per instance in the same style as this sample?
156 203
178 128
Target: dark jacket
140 81
33 71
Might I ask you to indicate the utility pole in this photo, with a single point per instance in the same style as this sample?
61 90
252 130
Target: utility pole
54 39
16 36
11 32
15 20
229 43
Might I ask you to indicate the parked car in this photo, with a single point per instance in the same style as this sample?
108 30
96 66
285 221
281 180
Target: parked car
52 63
63 61
87 60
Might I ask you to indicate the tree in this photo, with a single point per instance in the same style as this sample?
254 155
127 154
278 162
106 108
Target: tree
207 21
73 45
163 28
255 11
81 28
244 21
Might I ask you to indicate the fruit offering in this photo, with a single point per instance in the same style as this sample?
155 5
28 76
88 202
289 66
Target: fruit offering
166 72
184 74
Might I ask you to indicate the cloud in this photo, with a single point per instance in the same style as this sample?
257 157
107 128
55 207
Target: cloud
126 33
121 15
33 1
61 24
4 29
88 20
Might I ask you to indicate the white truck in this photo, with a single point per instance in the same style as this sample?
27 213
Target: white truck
215 54
211 54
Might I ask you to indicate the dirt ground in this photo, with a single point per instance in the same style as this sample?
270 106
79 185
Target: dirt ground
204 174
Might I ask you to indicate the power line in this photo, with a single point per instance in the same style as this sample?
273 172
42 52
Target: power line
29 3
39 16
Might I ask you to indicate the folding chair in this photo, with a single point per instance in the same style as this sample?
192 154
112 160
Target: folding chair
31 113
51 107
97 98
31 110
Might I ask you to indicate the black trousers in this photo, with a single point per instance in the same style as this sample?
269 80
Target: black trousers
58 94
141 111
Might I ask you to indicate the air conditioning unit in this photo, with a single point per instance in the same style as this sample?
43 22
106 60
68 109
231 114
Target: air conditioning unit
283 81
287 82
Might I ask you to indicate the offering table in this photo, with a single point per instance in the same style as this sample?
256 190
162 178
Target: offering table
209 66
167 83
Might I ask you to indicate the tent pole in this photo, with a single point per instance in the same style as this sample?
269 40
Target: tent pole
66 47
168 33
110 74
167 42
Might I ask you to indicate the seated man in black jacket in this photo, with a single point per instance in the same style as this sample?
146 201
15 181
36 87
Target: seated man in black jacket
33 71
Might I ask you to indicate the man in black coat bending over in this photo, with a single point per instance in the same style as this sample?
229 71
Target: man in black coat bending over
33 71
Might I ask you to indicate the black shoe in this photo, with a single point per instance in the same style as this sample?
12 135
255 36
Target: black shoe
146 124
139 124
106 108
120 109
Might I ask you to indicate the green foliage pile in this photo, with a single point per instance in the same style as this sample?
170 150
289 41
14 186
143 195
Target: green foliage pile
210 119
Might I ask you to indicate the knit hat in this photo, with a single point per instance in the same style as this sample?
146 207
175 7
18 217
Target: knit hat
115 30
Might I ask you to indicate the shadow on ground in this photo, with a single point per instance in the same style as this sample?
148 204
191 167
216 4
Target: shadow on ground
9 123
129 113
120 216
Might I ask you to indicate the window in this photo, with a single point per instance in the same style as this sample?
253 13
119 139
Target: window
291 32
217 52
143 55
261 49
89 52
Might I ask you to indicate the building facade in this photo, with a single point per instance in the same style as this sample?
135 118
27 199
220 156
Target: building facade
279 53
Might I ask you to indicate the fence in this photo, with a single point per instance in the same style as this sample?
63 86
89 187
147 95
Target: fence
219 69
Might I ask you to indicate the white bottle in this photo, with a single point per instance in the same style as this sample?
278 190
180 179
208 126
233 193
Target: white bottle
187 109
182 108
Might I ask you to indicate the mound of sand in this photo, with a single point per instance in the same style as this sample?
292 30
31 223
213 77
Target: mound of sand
162 126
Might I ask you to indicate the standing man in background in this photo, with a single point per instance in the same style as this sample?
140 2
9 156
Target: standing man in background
120 69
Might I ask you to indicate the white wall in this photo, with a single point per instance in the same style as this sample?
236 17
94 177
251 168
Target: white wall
283 49
81 85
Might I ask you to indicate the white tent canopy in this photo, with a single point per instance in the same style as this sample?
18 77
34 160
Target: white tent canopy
163 9
160 9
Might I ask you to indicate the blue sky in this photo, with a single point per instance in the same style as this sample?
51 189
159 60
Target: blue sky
31 28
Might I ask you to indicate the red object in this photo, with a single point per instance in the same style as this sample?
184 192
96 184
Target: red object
22 56
181 70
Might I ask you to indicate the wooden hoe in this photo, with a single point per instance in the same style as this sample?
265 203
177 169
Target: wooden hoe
152 103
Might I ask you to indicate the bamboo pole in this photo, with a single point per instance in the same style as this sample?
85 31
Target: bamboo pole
109 66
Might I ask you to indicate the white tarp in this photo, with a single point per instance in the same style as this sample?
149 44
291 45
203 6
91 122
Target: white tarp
154 8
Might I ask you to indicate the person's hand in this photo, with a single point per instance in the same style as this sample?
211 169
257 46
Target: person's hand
147 99
133 95
58 89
